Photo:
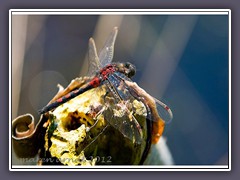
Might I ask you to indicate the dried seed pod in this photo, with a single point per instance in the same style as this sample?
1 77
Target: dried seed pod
80 131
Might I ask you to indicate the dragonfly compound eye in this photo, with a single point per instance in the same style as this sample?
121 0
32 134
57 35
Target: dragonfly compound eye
130 69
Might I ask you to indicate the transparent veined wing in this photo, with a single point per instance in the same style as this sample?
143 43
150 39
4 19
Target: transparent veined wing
158 108
106 54
93 60
161 115
128 126
164 111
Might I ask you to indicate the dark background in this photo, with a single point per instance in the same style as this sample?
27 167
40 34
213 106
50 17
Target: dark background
6 5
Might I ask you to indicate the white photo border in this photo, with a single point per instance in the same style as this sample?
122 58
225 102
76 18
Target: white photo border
117 12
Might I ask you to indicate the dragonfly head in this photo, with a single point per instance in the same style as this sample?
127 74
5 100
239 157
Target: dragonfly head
129 69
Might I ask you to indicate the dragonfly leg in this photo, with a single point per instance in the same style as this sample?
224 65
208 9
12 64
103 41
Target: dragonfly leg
103 109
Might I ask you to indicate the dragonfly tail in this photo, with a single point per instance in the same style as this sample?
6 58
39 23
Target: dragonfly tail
64 99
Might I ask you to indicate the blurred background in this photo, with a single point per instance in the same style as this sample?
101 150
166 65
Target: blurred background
181 60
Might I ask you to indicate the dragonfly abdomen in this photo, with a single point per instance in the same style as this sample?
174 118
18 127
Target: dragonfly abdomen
66 98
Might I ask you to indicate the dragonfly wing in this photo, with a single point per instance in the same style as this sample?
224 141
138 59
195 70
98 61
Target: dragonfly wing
128 126
106 54
164 111
154 105
93 60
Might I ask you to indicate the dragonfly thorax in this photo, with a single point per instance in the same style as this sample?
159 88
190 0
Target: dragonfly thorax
107 70
127 69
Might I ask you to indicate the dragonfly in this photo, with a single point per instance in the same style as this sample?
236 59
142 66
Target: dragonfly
114 75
